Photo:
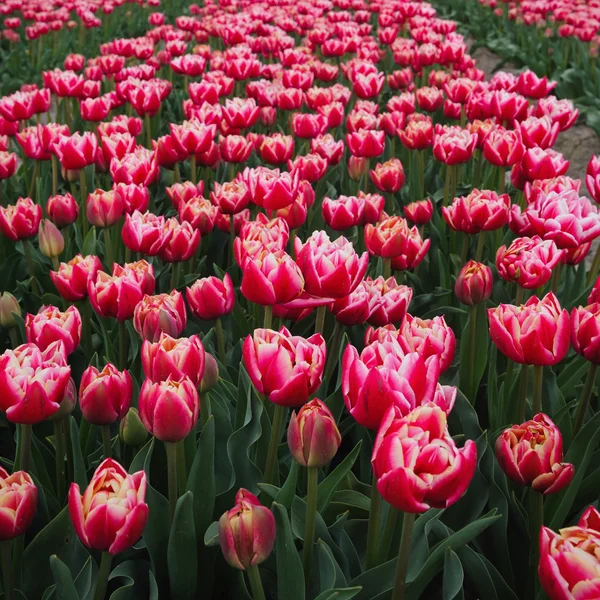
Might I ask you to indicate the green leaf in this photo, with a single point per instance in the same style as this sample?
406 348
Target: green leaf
89 244
138 580
78 464
65 588
290 575
182 552
329 485
339 594
285 495
211 536
453 575
470 374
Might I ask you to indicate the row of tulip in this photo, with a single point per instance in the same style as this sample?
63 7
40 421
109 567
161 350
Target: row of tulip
290 286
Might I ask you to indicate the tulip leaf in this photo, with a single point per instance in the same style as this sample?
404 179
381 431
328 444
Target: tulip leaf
453 575
78 464
211 536
329 485
558 506
290 575
89 244
63 580
470 374
339 594
285 495
182 551
135 573
57 538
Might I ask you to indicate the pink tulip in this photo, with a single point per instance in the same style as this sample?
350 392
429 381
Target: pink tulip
211 298
585 331
388 300
163 313
474 283
18 503
50 325
479 211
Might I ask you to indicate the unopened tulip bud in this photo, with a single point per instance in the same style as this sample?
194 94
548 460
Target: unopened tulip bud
8 305
211 374
474 283
51 240
131 429
313 436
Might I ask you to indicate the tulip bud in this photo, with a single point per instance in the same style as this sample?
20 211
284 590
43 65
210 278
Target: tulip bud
131 429
51 240
8 305
474 283
18 497
246 532
313 437
211 374
67 404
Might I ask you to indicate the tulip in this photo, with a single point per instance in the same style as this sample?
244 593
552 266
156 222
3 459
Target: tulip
164 313
417 135
21 220
62 210
71 279
453 145
50 325
50 239
388 300
352 309
365 143
139 167
105 396
532 86
9 307
389 176
169 408
560 111
173 358
327 147
276 149
531 454
538 132
528 261
104 209
331 269
569 567
18 501
211 298
419 212
115 296
416 462
503 148
474 283
182 242
231 197
247 535
383 375
180 193
76 151
479 211
131 429
271 189
343 212
543 164
8 164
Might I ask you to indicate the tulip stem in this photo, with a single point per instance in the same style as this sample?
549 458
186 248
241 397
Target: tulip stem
109 250
555 281
536 522
310 522
231 260
205 408
501 180
320 319
480 246
30 268
271 462
54 175
181 466
373 527
268 319
593 272
520 296
25 453
402 565
59 444
220 341
122 345
148 128
172 475
538 380
523 392
388 535
174 276
472 346
106 441
193 168
584 400
258 593
103 574
83 192
8 582
387 268
332 354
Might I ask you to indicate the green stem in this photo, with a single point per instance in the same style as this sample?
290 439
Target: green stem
83 192
593 272
25 455
258 593
59 442
148 128
320 319
205 408
220 341
373 527
268 319
103 574
106 441
193 168
36 170
231 260
465 249
523 392
520 295
538 379
480 246
402 565
501 180
172 476
584 400
555 281
332 352
8 582
387 268
174 276
271 462
181 466
14 337
30 267
311 519
472 345
109 250
536 522
123 344
388 535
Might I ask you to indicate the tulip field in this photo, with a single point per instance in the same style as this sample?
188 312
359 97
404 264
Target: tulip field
297 302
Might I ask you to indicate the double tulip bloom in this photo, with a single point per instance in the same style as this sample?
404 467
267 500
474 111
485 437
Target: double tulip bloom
536 333
112 513
18 503
72 278
287 369
531 454
211 298
569 566
388 300
479 211
115 295
585 330
393 238
21 220
416 462
163 313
